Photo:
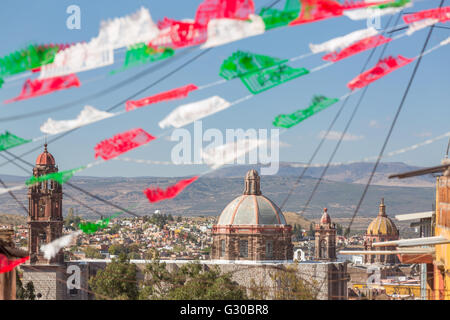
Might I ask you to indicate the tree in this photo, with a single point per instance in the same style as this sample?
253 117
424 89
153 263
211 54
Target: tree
179 219
339 230
93 253
170 217
117 281
289 286
190 282
311 230
116 249
114 229
27 293
71 221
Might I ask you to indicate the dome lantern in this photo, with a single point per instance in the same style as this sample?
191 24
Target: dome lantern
252 183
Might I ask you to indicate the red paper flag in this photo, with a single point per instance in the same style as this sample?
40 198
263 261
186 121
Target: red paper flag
38 87
177 93
155 195
357 47
219 9
314 10
8 265
442 14
383 67
121 143
179 34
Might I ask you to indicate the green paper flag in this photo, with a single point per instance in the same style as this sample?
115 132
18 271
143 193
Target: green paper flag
60 177
268 78
318 103
141 53
1 82
274 18
396 4
31 58
90 227
241 63
8 141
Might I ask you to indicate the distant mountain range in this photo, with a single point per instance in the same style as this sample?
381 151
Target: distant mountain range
209 195
350 173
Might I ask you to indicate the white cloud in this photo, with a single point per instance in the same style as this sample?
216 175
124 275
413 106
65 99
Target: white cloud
374 124
336 135
423 134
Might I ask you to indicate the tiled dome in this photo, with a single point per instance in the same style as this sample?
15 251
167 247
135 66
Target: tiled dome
251 208
45 158
382 225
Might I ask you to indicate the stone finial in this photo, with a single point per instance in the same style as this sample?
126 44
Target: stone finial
252 183
382 211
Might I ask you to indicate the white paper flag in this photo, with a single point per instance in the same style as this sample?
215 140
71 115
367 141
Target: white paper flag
188 113
344 41
77 58
372 13
99 52
6 190
51 249
87 115
221 31
419 25
126 31
229 152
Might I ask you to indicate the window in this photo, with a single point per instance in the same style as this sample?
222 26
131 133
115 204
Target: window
222 248
243 248
323 249
269 249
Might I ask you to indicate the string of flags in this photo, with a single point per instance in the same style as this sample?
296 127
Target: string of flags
216 22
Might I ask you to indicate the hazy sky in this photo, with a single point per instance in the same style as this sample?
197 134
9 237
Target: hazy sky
426 112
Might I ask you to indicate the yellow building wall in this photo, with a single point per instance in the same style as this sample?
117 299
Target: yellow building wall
442 260
390 289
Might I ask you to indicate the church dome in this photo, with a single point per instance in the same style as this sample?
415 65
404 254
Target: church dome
251 208
382 225
45 158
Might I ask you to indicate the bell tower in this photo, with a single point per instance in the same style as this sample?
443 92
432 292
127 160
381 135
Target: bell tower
325 239
45 220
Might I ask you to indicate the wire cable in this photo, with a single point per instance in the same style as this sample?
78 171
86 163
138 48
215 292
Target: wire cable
394 121
319 146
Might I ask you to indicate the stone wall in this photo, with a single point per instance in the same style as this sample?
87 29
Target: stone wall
49 281
330 278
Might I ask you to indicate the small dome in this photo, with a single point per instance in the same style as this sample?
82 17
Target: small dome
382 225
325 217
45 158
251 208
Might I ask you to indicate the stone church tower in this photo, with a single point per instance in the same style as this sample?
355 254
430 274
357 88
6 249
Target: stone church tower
325 239
45 219
45 224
